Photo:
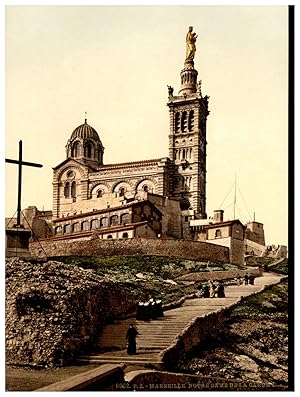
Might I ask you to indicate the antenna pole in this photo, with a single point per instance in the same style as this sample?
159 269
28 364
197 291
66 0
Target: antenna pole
234 196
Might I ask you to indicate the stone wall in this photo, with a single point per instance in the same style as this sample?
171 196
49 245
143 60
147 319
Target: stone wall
196 331
194 250
55 311
237 251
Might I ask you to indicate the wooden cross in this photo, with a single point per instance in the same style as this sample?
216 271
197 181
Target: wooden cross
20 162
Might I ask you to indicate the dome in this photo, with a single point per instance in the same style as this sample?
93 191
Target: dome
85 131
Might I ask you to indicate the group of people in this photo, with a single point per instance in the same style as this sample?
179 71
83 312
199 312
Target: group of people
150 310
249 279
211 290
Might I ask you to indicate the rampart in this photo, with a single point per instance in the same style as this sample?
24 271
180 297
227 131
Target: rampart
93 246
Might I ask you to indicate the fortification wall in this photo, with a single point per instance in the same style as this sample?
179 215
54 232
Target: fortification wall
195 250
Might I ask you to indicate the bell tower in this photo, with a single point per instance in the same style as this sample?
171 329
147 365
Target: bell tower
188 112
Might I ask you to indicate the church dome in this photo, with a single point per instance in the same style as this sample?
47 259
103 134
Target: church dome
85 131
85 144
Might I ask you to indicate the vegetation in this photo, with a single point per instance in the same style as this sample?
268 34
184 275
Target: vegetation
155 275
253 345
259 260
166 267
281 267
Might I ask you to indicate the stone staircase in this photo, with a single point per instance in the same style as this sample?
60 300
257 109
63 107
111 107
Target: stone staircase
157 335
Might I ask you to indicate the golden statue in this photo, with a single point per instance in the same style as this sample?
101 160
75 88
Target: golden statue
190 44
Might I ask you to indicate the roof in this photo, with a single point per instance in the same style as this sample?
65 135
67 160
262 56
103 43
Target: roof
85 131
131 164
105 210
79 161
225 223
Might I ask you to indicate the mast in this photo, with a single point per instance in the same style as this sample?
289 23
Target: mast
234 203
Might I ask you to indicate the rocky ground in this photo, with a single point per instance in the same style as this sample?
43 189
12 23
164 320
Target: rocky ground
43 299
253 346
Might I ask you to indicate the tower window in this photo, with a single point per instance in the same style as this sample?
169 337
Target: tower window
75 149
177 122
191 120
184 122
88 150
73 189
67 190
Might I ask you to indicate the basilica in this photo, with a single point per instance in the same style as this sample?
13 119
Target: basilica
149 198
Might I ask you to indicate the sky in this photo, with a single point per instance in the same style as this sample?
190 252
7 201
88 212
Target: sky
115 62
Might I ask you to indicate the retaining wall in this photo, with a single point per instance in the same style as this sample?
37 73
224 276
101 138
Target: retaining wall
195 250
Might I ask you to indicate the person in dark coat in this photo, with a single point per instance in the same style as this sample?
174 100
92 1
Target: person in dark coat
131 339
206 291
251 279
221 290
246 279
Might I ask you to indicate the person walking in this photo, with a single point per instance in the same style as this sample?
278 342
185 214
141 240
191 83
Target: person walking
131 339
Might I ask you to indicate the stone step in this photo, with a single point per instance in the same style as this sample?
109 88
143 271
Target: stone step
157 335
117 361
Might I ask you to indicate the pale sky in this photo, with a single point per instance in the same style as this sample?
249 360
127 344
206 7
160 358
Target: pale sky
115 62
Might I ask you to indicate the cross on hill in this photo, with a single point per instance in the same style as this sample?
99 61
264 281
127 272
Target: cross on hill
20 163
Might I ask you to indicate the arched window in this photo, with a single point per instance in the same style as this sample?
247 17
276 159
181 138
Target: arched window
67 228
73 189
85 225
58 230
94 224
104 222
88 149
75 149
125 235
184 122
191 120
99 193
114 220
177 122
124 218
109 236
122 191
218 233
76 227
67 190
